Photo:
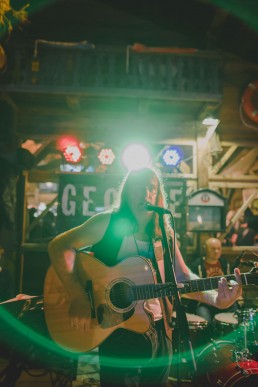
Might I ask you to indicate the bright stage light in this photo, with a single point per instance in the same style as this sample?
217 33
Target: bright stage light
136 156
69 146
172 156
106 156
72 154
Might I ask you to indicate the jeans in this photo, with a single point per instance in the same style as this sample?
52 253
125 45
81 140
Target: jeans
125 360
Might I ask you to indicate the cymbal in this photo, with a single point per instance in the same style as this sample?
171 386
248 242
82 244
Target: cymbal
18 306
19 297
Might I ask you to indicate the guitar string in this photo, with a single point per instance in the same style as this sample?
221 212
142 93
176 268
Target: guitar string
152 259
202 284
118 293
213 281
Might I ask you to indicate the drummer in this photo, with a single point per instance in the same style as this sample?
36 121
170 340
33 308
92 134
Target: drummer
211 265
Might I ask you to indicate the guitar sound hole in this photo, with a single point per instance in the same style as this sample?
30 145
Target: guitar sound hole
121 295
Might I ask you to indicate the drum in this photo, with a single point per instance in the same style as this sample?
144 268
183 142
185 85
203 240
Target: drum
198 328
225 324
196 322
218 364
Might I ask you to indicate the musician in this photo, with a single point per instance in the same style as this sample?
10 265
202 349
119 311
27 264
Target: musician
210 265
128 358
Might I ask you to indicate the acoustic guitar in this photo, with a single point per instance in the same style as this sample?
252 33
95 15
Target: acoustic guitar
117 295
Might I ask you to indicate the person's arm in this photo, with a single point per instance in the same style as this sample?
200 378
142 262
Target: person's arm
221 298
62 251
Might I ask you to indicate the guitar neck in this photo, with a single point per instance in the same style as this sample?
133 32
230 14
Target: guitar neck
211 283
143 292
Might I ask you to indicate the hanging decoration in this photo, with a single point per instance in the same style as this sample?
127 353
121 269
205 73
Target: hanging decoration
8 15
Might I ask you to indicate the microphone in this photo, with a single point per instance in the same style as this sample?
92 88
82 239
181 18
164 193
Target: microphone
160 210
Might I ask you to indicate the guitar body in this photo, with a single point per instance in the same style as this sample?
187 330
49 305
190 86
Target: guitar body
117 295
112 304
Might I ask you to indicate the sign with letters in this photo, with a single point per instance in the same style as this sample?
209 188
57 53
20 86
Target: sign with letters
80 196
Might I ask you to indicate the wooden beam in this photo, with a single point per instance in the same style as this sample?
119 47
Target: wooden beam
42 151
36 176
215 169
203 159
234 184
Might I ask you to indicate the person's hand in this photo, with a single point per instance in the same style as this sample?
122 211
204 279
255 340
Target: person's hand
80 313
227 295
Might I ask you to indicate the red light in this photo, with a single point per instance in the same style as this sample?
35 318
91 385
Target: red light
71 149
72 154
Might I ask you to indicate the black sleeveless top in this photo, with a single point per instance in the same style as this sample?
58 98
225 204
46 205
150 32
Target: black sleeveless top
106 250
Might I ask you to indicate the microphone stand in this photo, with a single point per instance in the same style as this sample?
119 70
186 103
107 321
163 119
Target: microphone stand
170 276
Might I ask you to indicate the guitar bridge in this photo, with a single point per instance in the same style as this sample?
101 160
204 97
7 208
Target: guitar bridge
89 292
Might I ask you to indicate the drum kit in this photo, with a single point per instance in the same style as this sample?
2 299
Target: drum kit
231 359
229 355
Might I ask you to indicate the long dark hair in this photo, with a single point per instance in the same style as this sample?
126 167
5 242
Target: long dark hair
122 206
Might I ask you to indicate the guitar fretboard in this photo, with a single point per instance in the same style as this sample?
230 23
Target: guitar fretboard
143 292
210 283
